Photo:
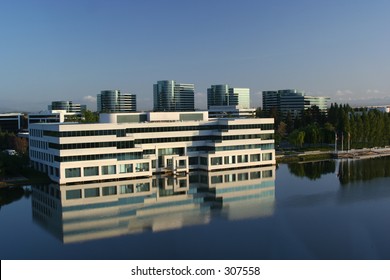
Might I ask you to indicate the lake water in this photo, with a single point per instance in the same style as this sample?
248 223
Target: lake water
318 210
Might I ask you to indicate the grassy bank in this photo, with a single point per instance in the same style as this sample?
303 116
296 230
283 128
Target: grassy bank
26 178
288 158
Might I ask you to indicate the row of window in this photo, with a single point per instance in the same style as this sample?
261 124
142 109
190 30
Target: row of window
139 155
36 132
240 159
145 186
106 191
45 190
130 144
117 156
45 199
41 156
117 144
38 144
237 147
82 133
227 178
265 136
177 139
245 147
107 170
123 132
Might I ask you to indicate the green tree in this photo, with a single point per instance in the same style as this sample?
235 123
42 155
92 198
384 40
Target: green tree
312 134
297 138
280 132
90 117
289 122
328 132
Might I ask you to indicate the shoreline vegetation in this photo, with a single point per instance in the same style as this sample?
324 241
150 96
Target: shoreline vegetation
15 171
33 177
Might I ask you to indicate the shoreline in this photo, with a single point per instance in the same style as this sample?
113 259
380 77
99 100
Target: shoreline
22 181
291 157
324 155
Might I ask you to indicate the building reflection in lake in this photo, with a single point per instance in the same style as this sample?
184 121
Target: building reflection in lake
92 211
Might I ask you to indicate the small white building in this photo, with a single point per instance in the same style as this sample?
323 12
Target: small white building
130 145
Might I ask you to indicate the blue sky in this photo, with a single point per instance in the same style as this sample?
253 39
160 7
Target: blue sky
72 49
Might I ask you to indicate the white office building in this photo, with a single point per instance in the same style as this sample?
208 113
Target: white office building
130 145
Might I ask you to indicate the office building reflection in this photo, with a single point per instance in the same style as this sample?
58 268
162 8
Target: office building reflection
75 213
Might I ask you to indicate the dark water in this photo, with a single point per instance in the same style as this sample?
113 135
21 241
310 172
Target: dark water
320 210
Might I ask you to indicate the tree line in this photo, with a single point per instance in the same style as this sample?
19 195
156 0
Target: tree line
349 127
11 165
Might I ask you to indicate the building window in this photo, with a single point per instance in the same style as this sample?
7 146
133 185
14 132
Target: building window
142 187
230 178
267 173
266 156
142 166
91 171
216 161
93 192
255 157
126 168
182 163
182 183
255 175
73 194
242 158
216 179
109 190
194 160
72 172
126 189
108 169
203 161
242 177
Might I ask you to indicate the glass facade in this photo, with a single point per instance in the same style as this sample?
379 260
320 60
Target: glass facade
113 101
68 106
222 95
171 96
292 101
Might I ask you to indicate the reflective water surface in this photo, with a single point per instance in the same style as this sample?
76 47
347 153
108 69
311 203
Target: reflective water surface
317 210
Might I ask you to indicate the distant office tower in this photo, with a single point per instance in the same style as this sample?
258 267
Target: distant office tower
222 95
170 96
239 97
217 95
292 101
67 106
271 99
113 101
